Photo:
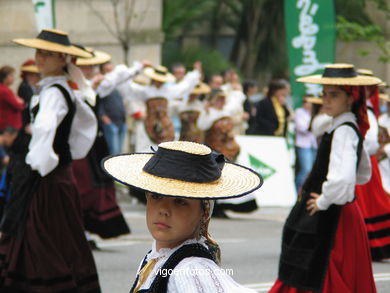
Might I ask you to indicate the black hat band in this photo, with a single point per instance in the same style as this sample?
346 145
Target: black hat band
346 72
54 37
184 166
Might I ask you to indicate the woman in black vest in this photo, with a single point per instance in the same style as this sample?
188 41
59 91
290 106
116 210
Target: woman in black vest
181 180
43 247
324 244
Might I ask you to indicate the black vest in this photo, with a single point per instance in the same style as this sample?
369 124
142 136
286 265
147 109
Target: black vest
308 240
160 283
60 144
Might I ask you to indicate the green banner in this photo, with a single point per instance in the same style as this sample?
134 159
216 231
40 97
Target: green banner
45 14
311 41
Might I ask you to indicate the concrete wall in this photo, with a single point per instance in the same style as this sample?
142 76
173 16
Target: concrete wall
17 20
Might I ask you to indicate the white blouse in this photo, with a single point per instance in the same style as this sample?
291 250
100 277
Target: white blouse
207 118
371 143
339 187
52 110
192 274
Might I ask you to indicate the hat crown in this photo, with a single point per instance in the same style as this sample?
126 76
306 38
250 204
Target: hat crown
186 146
54 36
161 70
339 70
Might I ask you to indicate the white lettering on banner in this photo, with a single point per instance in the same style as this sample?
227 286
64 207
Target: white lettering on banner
307 40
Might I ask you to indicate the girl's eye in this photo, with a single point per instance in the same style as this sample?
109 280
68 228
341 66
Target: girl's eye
180 201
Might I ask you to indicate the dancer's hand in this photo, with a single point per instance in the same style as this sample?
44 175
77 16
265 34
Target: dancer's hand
311 204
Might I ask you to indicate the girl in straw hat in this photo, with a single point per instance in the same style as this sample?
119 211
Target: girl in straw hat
181 180
324 244
101 213
371 197
43 247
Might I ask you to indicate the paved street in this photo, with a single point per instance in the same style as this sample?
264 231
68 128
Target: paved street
250 246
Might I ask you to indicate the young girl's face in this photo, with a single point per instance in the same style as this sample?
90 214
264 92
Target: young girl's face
49 63
336 101
172 220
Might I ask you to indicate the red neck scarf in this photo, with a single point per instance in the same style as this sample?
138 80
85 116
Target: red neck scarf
359 99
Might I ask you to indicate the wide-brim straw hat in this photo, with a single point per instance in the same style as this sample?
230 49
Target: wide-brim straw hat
340 74
98 57
369 72
55 41
151 172
159 73
314 100
29 68
384 97
201 89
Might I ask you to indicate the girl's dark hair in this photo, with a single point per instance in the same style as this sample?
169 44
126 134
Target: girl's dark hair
275 85
5 71
357 104
249 83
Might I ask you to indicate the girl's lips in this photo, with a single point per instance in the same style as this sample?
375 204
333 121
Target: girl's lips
162 225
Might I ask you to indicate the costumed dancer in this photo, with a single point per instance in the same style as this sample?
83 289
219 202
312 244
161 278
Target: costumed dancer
180 195
383 154
158 126
43 247
371 197
215 120
101 212
189 112
324 244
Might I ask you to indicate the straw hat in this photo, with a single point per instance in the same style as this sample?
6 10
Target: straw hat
201 89
98 57
368 72
384 97
29 68
159 73
314 100
340 74
216 93
53 40
184 169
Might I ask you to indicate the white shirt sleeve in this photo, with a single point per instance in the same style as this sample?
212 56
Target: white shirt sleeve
206 119
197 274
234 102
52 110
339 187
371 140
120 74
183 88
320 123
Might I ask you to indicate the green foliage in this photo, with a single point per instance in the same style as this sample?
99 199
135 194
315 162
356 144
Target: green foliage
183 14
212 60
349 31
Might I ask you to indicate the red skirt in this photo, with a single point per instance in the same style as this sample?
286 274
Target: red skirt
53 254
349 269
101 212
375 206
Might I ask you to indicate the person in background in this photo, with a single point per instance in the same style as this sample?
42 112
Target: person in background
28 87
216 82
305 142
249 89
271 112
11 106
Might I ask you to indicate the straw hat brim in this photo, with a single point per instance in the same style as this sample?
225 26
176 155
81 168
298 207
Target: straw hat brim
99 57
29 68
384 97
203 89
50 46
314 100
235 180
150 72
358 80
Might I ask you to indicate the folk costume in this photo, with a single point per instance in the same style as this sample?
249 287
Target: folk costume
188 170
329 251
371 197
43 247
189 112
101 212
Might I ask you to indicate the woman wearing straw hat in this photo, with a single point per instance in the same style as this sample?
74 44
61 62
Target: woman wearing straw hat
189 112
101 213
181 181
324 244
43 247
